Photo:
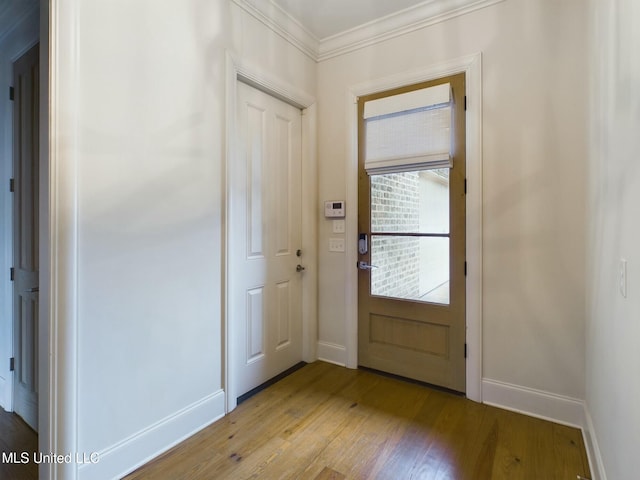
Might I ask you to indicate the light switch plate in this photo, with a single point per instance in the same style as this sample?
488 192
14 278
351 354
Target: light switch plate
336 244
338 226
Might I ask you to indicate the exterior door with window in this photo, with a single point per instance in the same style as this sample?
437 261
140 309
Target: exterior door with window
411 204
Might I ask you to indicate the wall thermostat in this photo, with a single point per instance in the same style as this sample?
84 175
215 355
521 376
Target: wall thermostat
334 209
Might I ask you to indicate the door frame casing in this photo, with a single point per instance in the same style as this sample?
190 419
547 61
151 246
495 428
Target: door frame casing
471 66
236 71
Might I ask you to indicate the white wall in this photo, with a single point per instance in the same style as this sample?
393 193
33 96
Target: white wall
144 155
13 44
613 328
534 134
148 214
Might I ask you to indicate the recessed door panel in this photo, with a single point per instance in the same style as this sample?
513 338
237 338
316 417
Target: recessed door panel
283 301
283 207
255 154
255 324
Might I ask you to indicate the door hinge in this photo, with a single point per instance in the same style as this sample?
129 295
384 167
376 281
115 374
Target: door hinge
465 268
12 364
12 185
465 103
465 186
465 350
12 274
12 94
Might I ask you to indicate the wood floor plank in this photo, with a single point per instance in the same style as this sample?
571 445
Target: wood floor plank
480 462
408 456
326 422
388 418
358 426
569 452
456 432
313 432
17 438
329 474
508 463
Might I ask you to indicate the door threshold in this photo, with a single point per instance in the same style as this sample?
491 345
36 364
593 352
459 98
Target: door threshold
270 382
411 380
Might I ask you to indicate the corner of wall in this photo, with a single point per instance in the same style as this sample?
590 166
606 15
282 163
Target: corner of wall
332 353
596 464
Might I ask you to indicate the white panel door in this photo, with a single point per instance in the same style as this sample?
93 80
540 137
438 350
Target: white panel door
265 306
25 225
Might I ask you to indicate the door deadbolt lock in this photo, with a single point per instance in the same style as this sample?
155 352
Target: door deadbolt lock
363 244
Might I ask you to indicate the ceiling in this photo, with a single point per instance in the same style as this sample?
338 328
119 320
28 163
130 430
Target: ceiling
12 12
325 18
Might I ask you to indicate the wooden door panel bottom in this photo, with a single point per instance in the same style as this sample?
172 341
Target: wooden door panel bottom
386 360
407 334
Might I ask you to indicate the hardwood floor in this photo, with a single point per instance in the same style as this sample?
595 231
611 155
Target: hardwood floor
326 422
16 436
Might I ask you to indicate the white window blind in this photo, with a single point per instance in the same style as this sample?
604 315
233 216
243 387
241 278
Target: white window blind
409 131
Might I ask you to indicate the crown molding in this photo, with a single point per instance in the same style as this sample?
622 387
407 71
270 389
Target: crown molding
405 21
283 24
397 24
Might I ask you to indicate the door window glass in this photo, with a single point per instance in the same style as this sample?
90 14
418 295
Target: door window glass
410 235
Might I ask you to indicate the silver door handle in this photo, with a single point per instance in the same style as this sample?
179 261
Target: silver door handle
366 266
299 268
32 290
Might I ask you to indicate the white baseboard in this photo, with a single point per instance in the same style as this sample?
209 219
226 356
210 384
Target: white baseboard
535 403
332 353
133 452
593 449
